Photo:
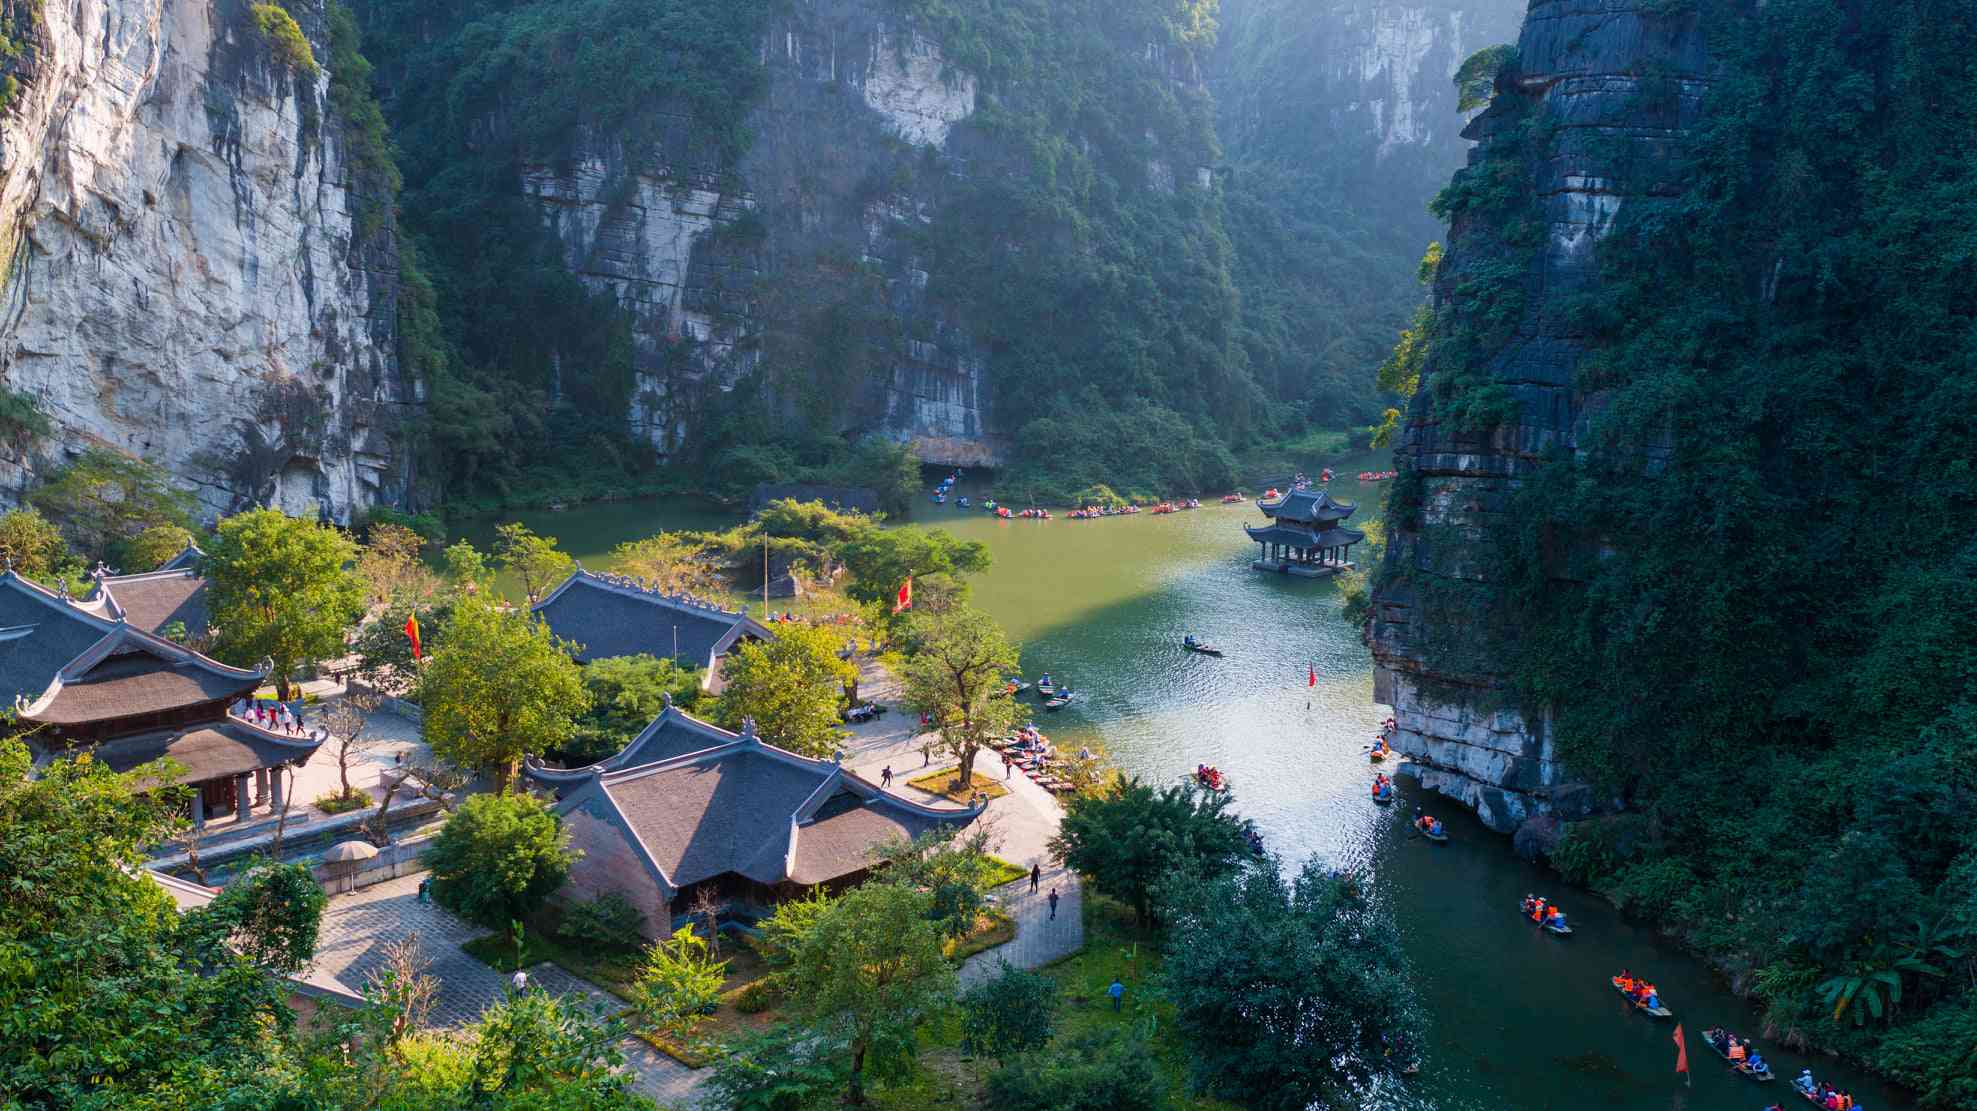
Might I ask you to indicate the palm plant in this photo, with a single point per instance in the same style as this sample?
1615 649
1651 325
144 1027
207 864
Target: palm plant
1872 985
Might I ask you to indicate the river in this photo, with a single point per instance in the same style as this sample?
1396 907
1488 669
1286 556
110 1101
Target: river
1519 1019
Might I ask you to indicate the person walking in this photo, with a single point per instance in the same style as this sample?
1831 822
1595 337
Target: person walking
1118 993
1053 904
885 776
1036 876
1008 767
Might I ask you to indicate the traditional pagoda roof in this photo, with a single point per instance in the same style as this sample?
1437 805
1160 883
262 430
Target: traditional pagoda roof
212 751
617 615
155 599
1304 537
674 733
66 662
1312 505
746 807
187 560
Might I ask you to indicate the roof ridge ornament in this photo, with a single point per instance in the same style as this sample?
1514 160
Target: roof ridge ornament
748 732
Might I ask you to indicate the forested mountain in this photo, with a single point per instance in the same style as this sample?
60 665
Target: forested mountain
1682 545
332 253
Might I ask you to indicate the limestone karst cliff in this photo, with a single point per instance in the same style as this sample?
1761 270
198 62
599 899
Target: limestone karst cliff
1574 133
186 277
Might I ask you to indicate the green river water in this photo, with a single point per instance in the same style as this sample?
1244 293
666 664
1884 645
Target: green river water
1519 1019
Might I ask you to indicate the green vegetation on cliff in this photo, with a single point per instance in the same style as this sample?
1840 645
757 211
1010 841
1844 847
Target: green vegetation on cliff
1751 598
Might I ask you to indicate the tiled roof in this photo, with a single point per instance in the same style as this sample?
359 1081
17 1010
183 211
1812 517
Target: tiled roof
154 600
613 616
224 748
187 560
129 672
673 734
736 807
39 634
1310 505
1304 537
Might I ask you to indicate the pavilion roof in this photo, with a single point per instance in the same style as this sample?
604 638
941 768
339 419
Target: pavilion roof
1304 537
1312 505
750 808
155 599
223 748
615 615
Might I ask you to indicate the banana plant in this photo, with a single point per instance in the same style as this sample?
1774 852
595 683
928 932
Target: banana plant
1872 986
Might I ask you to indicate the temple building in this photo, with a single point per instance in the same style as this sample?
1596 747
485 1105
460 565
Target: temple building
616 615
91 676
1306 534
690 807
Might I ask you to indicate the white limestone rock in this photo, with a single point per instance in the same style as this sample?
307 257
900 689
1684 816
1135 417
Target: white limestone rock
182 284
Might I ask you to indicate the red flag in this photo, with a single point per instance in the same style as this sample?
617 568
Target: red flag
412 630
905 600
1313 680
1681 1050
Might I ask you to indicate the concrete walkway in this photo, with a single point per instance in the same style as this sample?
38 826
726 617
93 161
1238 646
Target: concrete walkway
1020 826
358 926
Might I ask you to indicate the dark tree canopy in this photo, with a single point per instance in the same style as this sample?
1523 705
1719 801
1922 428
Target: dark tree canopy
1134 838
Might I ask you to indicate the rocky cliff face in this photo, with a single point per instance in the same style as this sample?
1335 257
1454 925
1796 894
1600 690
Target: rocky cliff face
1591 134
811 236
187 278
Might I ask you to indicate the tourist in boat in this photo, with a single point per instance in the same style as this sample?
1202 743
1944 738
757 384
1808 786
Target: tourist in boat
1555 918
1756 1065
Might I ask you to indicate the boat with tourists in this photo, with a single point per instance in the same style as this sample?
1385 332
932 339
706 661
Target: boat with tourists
1046 688
1429 826
1547 915
1740 1052
1231 499
1641 994
1192 644
1211 777
1061 699
1383 790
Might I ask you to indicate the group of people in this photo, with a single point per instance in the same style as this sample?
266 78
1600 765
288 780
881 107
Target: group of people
275 717
1209 776
1638 990
1740 1052
1383 785
1543 913
1823 1094
1429 824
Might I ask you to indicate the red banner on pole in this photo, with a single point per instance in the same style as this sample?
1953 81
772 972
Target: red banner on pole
905 600
1681 1050
412 631
1313 680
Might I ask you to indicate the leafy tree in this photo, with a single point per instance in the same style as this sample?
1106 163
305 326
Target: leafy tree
109 997
1101 1071
285 38
793 686
1131 838
1287 995
156 545
390 564
957 674
270 915
609 922
789 927
277 590
872 972
673 561
102 498
678 982
882 559
466 568
535 559
1009 1014
498 857
954 867
34 547
537 1050
786 1068
626 694
1476 77
499 687
384 651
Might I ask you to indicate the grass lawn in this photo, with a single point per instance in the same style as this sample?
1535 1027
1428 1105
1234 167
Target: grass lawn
943 783
1005 872
992 928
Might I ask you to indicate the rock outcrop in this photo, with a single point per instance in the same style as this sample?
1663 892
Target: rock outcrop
1612 86
188 276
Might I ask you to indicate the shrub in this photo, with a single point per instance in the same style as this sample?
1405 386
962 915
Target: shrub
1009 1014
337 802
609 921
285 39
1109 1072
498 857
756 997
679 982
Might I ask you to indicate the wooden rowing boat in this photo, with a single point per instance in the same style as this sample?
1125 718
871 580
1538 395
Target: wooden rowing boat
1742 1068
1657 1012
1547 925
1377 755
1437 838
1203 649
1385 797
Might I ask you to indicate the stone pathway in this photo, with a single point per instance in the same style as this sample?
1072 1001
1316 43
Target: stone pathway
358 926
